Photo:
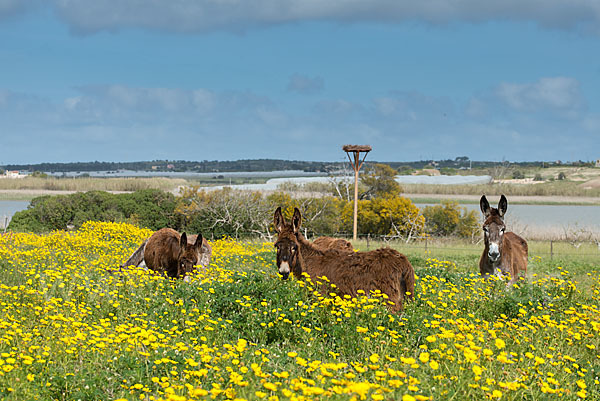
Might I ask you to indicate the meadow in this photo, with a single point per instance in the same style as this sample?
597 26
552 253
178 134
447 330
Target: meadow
75 326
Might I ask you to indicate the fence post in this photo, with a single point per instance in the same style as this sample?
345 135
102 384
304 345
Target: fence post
5 223
368 238
425 244
551 250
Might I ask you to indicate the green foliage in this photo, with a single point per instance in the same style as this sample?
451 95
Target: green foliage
148 208
405 170
380 182
448 171
450 219
39 174
561 176
538 177
518 175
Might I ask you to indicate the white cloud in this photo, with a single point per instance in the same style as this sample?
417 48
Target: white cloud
305 85
412 106
90 16
555 93
116 122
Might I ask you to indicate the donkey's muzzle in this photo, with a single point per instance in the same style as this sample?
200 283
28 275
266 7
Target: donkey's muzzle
494 256
284 269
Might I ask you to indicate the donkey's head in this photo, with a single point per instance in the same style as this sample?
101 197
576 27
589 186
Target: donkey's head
287 242
493 226
188 256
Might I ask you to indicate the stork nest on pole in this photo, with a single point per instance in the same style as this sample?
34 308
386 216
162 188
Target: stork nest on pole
356 148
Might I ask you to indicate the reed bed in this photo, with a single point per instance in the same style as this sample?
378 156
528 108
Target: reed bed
555 188
91 184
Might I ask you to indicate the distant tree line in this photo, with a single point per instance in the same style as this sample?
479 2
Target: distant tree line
204 166
208 166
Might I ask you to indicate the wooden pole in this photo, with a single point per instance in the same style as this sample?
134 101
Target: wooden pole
356 167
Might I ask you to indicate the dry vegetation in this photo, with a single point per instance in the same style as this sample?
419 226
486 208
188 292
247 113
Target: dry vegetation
91 184
550 188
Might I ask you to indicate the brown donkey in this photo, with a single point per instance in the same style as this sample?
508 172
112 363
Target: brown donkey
168 252
384 269
504 252
333 243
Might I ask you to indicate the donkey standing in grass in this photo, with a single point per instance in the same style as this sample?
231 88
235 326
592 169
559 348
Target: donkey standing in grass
176 255
333 243
384 269
504 252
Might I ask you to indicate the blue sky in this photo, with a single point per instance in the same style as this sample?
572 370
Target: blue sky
213 79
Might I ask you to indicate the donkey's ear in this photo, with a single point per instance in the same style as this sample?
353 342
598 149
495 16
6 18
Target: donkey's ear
183 240
296 220
502 205
278 220
484 205
199 240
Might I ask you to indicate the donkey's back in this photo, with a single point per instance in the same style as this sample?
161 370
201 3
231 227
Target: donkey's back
333 243
384 269
162 250
517 254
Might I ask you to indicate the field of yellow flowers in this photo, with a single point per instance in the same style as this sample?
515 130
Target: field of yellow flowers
73 326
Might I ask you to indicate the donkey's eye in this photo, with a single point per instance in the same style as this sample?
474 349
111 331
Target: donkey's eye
294 247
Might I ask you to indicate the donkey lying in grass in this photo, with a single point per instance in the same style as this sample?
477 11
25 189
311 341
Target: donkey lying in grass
333 243
504 252
384 269
168 252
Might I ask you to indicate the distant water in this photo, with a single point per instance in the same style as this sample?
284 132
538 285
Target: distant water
274 183
547 215
180 174
9 208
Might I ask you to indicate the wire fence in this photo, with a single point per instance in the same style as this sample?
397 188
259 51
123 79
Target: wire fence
432 245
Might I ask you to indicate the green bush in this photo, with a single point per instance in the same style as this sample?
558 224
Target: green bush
518 175
450 219
150 208
380 181
538 177
561 176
